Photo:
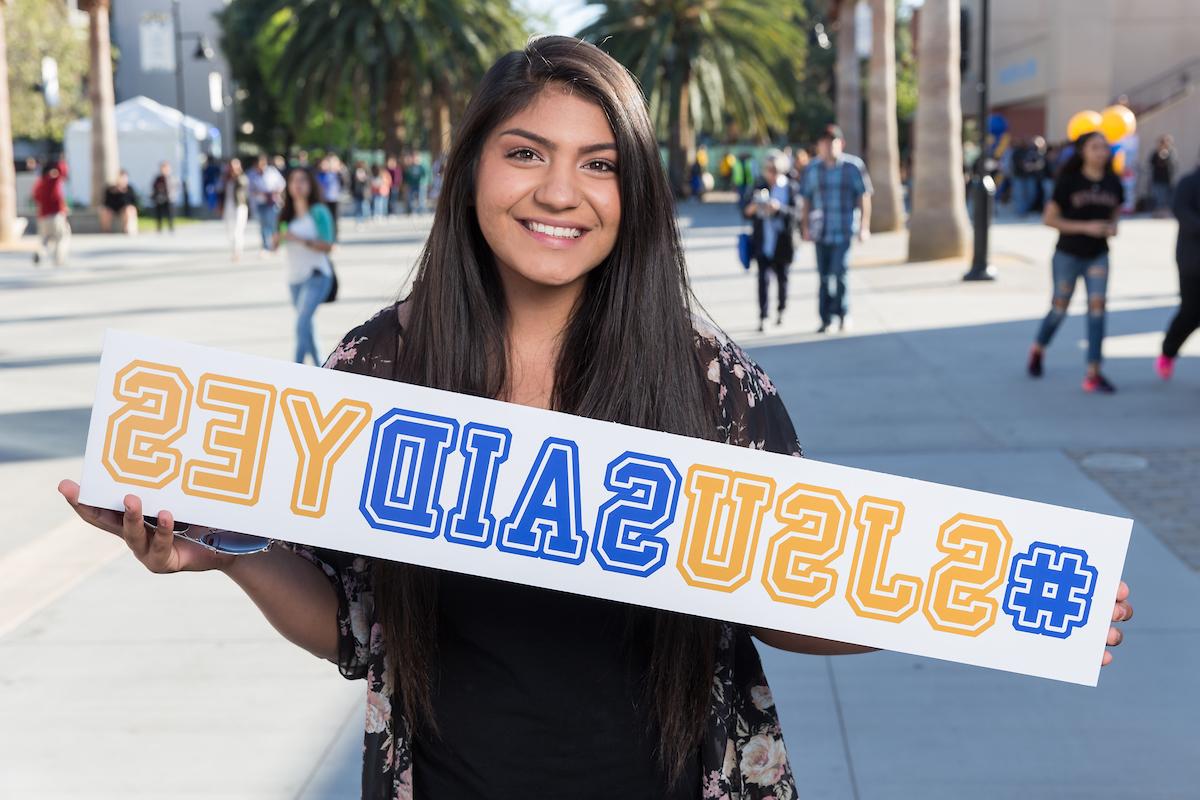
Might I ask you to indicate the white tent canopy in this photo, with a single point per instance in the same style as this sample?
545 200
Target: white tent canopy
148 133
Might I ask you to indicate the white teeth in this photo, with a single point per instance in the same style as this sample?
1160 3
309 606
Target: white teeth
550 230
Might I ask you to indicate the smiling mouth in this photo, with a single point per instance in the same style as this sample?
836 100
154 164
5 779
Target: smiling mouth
553 231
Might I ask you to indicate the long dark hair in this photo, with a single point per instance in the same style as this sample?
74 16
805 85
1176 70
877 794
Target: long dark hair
288 212
627 355
1074 163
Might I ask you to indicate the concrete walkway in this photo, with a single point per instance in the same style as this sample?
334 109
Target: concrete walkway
118 683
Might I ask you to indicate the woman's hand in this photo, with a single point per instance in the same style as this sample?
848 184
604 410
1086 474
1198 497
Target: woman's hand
1122 612
157 548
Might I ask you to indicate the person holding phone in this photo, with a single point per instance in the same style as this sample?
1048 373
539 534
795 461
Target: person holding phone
553 277
1084 209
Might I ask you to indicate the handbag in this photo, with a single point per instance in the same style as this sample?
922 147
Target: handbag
333 285
744 247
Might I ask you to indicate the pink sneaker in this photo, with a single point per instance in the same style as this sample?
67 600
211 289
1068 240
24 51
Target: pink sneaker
1098 383
1165 367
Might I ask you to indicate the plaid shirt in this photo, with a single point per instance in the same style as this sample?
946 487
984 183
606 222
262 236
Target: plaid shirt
835 192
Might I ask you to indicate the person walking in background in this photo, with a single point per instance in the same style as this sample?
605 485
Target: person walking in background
50 200
330 179
773 209
162 195
266 185
397 175
210 179
381 189
837 208
233 199
1029 163
1186 205
360 192
1164 162
1084 209
414 184
800 162
306 229
120 206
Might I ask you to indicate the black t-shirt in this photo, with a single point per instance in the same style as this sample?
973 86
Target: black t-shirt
546 678
117 199
1082 199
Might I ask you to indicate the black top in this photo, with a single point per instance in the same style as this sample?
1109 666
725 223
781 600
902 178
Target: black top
1162 166
117 200
785 247
500 689
1082 199
1186 206
526 699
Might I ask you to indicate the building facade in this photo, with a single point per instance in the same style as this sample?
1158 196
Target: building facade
1053 58
143 33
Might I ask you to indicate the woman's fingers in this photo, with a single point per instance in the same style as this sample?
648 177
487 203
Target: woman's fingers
1115 636
133 527
160 554
103 518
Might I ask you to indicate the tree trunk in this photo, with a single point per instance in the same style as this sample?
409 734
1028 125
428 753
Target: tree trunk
394 129
8 186
883 158
938 228
439 132
100 92
849 80
679 128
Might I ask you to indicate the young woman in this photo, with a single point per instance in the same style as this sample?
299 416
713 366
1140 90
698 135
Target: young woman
1084 208
233 204
306 228
553 277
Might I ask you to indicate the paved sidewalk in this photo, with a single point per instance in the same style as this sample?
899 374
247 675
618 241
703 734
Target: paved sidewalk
117 683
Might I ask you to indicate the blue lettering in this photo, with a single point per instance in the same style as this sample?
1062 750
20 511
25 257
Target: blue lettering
645 491
404 472
484 449
546 520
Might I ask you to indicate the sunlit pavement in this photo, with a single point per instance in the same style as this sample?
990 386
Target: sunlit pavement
118 683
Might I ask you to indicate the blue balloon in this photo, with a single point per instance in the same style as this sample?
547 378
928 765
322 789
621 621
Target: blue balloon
997 125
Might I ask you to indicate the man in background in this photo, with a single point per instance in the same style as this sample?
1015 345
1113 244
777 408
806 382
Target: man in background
837 209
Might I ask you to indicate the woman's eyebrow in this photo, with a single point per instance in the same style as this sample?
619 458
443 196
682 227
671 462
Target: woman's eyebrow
549 145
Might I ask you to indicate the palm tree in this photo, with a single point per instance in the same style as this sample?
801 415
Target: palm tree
402 54
8 187
704 61
849 78
100 92
883 156
938 228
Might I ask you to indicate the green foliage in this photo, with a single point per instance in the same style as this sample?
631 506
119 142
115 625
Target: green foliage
813 87
330 70
906 77
736 57
37 28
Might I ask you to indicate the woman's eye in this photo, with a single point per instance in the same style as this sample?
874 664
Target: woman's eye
600 165
522 154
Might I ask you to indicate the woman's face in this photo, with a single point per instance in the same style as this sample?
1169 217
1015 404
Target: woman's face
547 195
298 185
1096 152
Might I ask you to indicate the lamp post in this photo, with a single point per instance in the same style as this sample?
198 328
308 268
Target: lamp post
983 188
203 53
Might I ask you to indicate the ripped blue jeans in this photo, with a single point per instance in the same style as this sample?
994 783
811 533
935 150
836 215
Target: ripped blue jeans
1068 269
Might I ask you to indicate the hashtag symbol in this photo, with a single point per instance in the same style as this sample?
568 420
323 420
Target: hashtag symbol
1049 590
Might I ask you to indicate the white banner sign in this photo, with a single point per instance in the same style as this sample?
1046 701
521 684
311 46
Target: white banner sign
156 42
389 470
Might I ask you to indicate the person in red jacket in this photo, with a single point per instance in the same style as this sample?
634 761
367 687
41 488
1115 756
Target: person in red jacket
54 233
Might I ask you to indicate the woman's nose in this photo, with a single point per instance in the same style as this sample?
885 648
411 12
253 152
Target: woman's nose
559 188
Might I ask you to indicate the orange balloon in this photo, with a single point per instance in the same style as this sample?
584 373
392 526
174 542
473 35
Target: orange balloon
1083 122
1116 123
1119 162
